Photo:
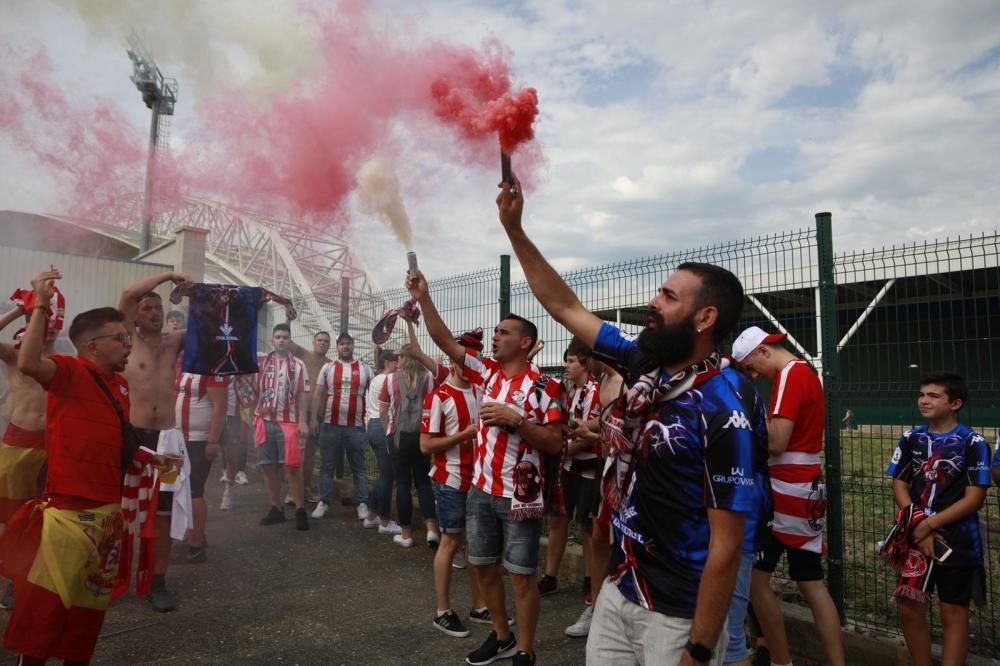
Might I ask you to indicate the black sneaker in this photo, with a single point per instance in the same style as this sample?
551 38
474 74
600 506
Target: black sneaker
301 520
451 625
483 617
197 554
160 598
523 658
547 585
761 657
273 517
492 649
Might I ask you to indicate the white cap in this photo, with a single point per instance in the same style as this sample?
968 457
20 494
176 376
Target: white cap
752 338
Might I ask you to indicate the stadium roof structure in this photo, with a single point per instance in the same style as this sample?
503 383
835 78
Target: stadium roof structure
304 263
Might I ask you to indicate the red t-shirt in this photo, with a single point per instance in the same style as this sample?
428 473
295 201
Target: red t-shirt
796 474
83 434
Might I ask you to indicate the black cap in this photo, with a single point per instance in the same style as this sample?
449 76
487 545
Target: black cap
344 335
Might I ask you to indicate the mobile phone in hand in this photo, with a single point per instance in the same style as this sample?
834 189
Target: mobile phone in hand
506 175
942 551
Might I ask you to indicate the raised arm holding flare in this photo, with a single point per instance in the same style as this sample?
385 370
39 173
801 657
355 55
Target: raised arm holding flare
438 330
520 418
660 460
550 289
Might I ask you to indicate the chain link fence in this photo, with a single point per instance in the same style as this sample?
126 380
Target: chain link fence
871 322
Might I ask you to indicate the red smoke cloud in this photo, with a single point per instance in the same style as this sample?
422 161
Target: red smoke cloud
85 142
475 95
296 151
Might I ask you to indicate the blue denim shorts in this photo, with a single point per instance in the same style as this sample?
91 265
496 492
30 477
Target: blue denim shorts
493 538
272 451
450 508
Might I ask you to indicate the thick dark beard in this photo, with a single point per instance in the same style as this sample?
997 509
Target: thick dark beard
665 345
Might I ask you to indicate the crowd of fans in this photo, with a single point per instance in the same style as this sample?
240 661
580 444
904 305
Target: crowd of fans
685 487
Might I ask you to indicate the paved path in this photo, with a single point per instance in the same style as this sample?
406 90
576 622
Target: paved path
337 594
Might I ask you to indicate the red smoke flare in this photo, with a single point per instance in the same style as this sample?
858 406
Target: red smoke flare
476 96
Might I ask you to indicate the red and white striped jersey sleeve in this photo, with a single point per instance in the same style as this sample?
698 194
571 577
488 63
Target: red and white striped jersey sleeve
478 370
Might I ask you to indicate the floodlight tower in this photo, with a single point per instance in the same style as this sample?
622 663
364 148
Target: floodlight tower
160 96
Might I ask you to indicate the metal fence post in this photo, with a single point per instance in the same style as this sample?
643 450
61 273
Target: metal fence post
504 285
828 329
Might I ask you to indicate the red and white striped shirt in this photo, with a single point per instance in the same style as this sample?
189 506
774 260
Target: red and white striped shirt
193 408
280 382
585 404
345 384
496 449
390 392
448 411
797 474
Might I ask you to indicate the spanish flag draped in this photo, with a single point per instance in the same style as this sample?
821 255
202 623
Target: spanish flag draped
22 456
64 561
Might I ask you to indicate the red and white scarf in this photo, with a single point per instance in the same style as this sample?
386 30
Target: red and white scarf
25 299
139 494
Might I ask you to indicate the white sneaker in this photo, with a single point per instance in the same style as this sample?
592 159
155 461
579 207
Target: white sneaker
582 626
433 538
362 511
392 528
289 500
320 510
405 543
227 499
241 478
222 479
369 524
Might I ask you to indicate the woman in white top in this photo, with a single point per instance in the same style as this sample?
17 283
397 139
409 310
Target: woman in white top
380 510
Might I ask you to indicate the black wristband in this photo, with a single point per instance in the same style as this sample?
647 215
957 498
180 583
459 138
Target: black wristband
699 652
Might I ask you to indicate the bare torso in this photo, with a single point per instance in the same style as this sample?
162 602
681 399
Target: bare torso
314 363
29 399
150 373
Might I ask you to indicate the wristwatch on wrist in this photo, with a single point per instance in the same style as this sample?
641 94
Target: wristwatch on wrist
699 652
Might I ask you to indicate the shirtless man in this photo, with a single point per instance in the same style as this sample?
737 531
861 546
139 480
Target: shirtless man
151 377
314 360
22 451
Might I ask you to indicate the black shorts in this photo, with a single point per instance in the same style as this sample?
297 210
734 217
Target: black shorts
583 497
958 585
803 565
200 468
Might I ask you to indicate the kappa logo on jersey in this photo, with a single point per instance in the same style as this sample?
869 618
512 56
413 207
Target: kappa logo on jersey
737 420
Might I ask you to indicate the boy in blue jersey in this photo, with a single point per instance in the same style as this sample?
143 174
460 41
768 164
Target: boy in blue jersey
943 469
681 478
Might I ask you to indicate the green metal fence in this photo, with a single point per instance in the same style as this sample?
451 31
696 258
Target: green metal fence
903 311
871 322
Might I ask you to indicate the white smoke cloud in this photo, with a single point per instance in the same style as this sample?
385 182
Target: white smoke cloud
260 45
378 195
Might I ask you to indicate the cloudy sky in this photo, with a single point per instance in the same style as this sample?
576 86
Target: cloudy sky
663 125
